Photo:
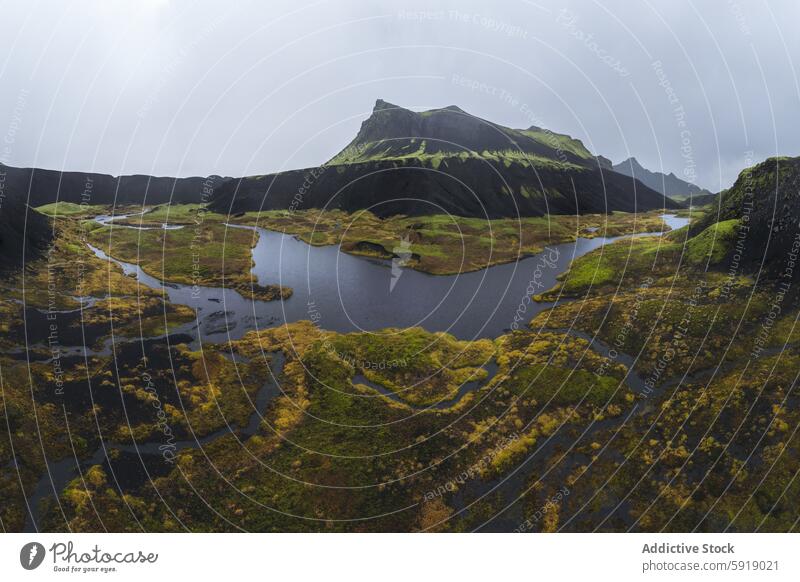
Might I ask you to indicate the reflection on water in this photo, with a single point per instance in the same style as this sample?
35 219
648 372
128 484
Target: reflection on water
344 293
109 219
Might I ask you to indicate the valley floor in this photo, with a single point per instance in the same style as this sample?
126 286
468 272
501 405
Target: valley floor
663 396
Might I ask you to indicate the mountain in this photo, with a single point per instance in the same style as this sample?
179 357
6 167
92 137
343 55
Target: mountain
668 184
393 133
446 160
765 200
24 233
38 187
704 199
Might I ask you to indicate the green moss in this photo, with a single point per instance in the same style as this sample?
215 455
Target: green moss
713 244
560 386
60 209
173 214
559 141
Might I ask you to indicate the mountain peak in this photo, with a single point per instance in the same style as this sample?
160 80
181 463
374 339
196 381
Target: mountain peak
447 160
381 105
398 134
630 162
453 108
667 184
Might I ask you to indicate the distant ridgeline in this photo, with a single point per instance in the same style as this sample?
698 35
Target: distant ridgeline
668 184
38 187
446 160
757 222
401 162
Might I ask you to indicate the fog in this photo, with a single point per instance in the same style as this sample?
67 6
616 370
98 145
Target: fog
184 88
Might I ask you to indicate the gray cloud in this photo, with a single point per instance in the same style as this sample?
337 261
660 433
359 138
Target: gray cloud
186 87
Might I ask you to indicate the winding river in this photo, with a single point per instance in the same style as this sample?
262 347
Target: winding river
344 293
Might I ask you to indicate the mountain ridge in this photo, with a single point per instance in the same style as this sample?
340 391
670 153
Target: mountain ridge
393 132
448 161
40 186
765 200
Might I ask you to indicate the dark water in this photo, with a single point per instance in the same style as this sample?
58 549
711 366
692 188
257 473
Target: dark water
140 462
344 293
491 368
347 293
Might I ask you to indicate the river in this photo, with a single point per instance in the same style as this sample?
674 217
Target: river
346 293
342 293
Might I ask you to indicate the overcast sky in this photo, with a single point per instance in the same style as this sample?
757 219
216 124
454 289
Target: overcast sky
181 87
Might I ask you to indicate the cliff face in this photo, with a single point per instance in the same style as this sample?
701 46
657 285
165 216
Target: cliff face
470 187
766 201
445 160
24 233
39 187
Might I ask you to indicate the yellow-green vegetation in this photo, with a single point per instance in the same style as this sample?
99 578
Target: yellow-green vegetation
419 367
61 209
321 436
699 435
50 407
558 141
209 254
442 244
716 455
440 160
73 210
70 271
712 244
560 369
177 214
437 244
605 269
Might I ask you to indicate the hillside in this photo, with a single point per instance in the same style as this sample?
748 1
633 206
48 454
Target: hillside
765 200
704 200
446 160
668 184
39 187
393 133
24 233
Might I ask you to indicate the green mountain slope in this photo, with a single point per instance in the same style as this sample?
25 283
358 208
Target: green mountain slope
448 161
765 200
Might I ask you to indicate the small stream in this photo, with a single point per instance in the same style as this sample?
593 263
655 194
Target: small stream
59 473
491 368
345 293
111 219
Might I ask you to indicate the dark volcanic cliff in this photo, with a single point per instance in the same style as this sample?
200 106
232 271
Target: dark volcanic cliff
766 201
445 160
462 187
24 233
39 187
